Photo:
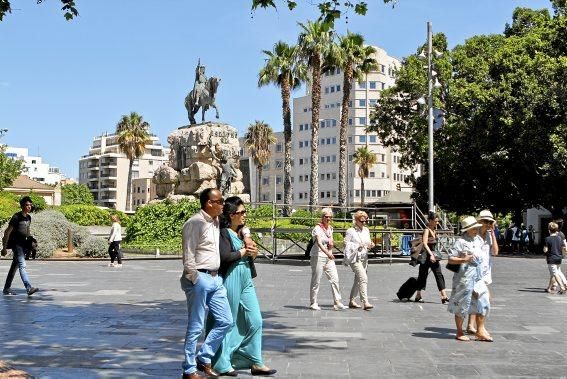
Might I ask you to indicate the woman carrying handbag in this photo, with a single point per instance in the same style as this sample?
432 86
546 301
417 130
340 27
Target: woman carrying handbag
429 259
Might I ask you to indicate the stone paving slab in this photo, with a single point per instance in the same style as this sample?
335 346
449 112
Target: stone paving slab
93 321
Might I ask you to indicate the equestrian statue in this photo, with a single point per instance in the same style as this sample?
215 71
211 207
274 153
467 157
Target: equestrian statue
203 94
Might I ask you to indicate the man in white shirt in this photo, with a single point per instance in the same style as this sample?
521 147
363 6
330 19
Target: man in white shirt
203 286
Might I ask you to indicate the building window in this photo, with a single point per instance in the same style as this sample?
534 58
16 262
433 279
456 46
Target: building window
278 180
332 89
362 85
279 163
338 88
265 181
361 102
361 120
382 68
279 147
372 85
279 197
362 139
349 139
371 174
301 195
350 121
300 178
300 144
322 141
372 139
322 195
383 86
373 193
373 101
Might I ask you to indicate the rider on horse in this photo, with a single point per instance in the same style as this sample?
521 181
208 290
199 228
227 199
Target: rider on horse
199 88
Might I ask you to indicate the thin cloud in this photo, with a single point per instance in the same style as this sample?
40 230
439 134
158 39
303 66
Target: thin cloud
4 84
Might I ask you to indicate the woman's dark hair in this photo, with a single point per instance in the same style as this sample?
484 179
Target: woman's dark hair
432 216
231 205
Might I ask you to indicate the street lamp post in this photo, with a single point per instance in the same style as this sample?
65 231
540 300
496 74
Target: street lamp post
430 113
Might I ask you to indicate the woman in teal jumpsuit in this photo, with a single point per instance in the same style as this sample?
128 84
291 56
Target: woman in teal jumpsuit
242 346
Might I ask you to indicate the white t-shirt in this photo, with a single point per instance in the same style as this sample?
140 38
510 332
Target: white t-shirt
325 236
486 264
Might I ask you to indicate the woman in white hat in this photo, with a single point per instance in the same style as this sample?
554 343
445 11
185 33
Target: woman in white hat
489 248
470 294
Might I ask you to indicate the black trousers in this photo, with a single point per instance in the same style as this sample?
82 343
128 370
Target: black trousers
114 252
424 272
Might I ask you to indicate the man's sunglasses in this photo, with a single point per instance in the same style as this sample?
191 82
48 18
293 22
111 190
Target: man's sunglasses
219 201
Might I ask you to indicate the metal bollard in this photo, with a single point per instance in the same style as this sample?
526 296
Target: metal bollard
157 252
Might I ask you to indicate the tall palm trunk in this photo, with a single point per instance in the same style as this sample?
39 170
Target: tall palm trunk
347 80
258 182
129 188
287 145
362 191
315 105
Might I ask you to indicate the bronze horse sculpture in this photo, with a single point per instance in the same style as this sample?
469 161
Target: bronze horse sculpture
202 99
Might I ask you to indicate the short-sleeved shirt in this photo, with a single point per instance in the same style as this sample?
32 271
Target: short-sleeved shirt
20 229
486 265
325 236
554 244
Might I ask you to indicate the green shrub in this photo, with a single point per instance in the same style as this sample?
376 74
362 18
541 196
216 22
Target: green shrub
160 224
91 215
304 217
8 206
94 247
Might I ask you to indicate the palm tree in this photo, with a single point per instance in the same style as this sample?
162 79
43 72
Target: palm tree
315 41
133 136
284 69
258 139
355 60
365 159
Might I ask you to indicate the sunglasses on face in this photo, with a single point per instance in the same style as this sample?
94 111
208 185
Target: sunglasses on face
328 217
364 221
219 201
240 213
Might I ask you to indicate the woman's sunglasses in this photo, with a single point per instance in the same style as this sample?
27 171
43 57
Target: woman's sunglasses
240 213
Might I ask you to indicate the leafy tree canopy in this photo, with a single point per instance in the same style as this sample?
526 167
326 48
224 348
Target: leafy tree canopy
10 169
504 142
76 194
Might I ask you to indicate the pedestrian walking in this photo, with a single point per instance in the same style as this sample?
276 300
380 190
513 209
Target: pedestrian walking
323 260
203 286
241 347
470 293
516 238
357 242
16 238
114 242
429 260
489 248
554 244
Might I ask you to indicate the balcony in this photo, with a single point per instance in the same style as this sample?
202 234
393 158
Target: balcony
108 174
109 163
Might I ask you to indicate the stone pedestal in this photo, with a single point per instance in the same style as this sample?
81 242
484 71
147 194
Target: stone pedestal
195 160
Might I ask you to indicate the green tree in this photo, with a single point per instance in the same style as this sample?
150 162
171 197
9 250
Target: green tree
76 194
355 59
504 139
315 42
69 9
365 159
133 136
258 139
284 69
10 168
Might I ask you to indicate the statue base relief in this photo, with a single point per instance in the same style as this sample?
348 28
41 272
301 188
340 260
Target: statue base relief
202 156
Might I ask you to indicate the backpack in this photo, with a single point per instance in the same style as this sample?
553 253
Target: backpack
518 232
309 247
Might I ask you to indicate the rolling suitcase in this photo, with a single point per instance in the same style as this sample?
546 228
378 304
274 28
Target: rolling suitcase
407 289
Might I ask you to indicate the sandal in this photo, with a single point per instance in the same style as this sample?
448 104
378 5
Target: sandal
471 331
462 338
486 338
418 300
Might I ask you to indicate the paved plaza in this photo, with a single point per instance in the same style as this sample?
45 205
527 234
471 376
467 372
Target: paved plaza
92 321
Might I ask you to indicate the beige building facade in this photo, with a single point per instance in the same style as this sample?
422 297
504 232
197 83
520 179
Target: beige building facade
143 191
105 169
385 175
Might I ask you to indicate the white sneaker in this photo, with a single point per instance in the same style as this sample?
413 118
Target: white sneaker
118 265
111 265
315 307
339 306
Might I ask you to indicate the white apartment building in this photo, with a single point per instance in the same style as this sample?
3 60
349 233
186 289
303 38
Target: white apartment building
34 167
105 169
384 176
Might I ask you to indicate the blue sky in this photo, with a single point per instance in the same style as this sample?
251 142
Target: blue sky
63 83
